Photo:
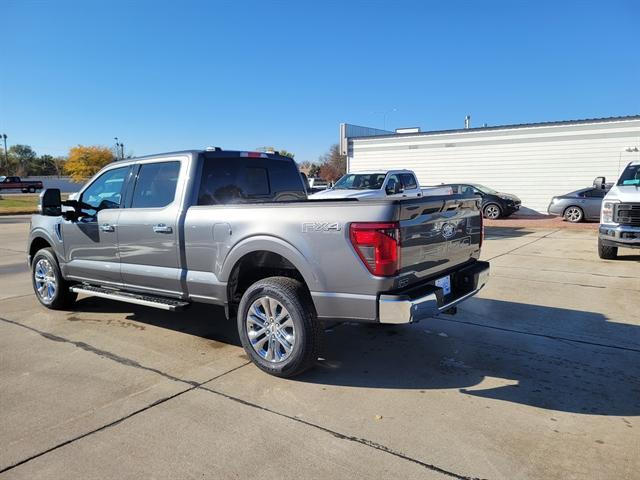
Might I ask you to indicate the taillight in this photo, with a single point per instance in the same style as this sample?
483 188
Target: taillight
481 230
378 246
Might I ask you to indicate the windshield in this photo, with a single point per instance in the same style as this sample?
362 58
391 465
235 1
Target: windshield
360 181
484 189
630 176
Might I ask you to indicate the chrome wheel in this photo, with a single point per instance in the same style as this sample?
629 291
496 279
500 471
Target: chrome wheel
45 280
492 212
270 329
573 214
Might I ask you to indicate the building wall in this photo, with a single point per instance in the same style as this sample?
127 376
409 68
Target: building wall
534 163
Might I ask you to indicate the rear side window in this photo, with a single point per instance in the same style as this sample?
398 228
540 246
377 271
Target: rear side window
156 185
408 181
595 193
249 180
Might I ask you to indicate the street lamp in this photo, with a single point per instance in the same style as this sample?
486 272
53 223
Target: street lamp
626 150
6 156
119 149
384 116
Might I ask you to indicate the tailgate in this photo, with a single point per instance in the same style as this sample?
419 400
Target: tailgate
437 233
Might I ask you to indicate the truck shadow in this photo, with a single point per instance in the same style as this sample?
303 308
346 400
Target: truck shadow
551 358
205 321
519 353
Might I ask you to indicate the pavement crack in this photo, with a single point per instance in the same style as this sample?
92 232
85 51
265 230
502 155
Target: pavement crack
101 353
193 386
342 436
200 385
522 246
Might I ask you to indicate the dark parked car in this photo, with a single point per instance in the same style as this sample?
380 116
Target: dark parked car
494 204
583 204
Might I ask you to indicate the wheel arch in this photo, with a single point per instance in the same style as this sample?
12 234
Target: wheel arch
260 257
38 242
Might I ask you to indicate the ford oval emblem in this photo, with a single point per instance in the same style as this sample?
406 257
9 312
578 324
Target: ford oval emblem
448 230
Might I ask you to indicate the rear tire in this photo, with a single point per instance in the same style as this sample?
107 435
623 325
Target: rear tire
278 326
573 214
606 252
50 288
32 190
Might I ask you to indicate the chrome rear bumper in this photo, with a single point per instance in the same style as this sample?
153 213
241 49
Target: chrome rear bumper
405 308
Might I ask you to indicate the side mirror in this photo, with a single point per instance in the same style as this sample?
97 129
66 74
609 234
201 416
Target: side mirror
50 203
599 183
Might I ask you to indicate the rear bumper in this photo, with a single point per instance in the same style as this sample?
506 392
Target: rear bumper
428 300
620 236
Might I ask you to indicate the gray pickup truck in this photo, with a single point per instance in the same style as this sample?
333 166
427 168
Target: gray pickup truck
236 229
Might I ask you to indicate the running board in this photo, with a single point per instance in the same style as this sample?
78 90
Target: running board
162 303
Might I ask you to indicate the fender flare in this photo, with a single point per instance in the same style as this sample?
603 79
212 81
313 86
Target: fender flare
274 245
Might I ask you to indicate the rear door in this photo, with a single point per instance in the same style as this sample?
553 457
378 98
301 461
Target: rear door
593 202
148 229
437 233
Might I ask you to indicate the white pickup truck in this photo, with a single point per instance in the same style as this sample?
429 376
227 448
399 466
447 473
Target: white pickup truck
379 184
620 214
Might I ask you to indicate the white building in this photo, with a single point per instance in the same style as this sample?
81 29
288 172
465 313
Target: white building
534 161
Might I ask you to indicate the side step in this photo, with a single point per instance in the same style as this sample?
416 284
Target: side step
162 303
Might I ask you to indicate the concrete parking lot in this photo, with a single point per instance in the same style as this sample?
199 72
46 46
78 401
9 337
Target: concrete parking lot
536 377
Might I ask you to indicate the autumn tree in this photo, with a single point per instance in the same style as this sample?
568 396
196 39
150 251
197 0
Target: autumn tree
84 161
333 164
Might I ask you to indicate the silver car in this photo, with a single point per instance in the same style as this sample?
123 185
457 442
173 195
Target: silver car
578 206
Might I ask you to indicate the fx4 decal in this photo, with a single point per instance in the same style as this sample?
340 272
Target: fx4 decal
326 227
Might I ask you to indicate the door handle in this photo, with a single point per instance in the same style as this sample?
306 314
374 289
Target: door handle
105 227
162 228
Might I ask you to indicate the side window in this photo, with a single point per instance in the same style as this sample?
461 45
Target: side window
105 191
595 193
408 181
156 185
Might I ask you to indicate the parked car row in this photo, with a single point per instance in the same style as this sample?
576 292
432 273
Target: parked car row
380 184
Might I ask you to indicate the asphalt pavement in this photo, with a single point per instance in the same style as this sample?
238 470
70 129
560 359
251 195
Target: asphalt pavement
536 377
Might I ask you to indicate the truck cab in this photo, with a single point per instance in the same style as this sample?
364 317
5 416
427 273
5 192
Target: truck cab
620 215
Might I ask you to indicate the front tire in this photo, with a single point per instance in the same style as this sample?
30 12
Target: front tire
573 214
606 252
50 288
492 211
278 326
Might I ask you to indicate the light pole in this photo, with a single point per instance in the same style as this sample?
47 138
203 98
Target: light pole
627 150
6 156
384 116
119 149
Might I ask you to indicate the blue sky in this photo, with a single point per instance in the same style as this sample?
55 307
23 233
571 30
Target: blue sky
171 75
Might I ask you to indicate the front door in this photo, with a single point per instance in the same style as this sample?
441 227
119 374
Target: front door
91 242
148 231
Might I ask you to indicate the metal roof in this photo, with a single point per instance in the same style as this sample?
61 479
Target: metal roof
507 127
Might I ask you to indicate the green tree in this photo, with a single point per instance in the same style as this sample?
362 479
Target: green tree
21 159
84 161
